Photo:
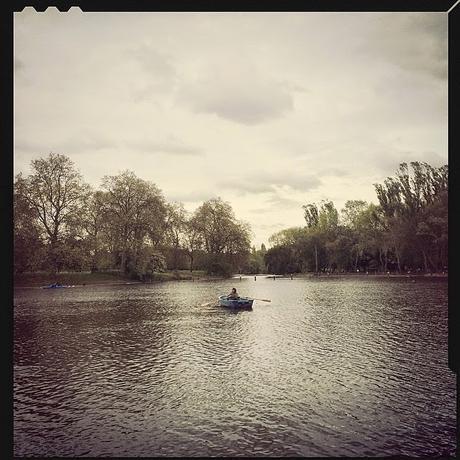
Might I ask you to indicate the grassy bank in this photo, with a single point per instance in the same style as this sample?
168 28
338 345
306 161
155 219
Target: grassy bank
112 277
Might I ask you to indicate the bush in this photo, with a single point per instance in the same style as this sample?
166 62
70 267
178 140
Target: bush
219 269
142 265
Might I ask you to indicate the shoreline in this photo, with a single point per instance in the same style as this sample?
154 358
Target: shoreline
83 279
358 275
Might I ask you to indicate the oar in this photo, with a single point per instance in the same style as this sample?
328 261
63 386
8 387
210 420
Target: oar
263 300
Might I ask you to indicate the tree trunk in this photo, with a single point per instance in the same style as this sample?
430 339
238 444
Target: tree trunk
316 258
425 263
398 260
356 261
123 261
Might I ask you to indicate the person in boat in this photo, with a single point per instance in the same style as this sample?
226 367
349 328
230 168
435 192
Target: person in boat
233 294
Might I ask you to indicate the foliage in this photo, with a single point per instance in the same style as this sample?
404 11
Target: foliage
60 223
54 193
407 230
143 263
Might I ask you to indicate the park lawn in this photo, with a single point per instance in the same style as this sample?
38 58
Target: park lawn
109 277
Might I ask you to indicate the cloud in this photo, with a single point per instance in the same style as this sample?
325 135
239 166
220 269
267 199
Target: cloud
171 145
78 143
271 182
160 75
277 201
239 94
157 65
414 42
389 162
244 186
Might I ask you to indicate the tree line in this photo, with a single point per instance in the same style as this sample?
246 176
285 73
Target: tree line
406 231
62 223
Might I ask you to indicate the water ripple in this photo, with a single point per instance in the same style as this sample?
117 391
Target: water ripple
328 368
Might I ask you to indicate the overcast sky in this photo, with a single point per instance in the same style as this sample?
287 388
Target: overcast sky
267 110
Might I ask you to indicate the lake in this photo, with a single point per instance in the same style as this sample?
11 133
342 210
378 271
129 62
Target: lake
330 367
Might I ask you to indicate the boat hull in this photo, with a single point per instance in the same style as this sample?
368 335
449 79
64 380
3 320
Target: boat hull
242 303
56 286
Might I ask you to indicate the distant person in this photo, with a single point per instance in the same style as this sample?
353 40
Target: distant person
233 294
255 278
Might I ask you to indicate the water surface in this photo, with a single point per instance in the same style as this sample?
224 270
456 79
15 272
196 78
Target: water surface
331 367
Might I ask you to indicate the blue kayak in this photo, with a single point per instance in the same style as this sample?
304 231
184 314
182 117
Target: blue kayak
243 303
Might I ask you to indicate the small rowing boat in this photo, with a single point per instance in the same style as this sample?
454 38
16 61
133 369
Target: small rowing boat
56 286
241 303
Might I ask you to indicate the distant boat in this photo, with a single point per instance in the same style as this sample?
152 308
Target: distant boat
242 303
56 286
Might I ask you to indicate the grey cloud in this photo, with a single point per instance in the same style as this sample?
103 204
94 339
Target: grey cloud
415 42
389 162
160 70
243 186
171 146
269 182
155 63
87 143
299 182
79 143
241 100
272 184
277 201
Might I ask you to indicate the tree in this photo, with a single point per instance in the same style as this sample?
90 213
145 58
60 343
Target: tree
29 249
193 240
137 213
54 192
225 239
176 218
406 201
96 225
322 224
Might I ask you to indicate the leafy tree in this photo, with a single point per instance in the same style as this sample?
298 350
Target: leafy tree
29 248
137 212
54 192
221 233
406 201
193 239
176 218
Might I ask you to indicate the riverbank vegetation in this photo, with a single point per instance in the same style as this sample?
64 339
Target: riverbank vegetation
406 232
62 224
127 227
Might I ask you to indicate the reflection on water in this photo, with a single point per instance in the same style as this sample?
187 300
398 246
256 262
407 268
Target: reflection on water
328 368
